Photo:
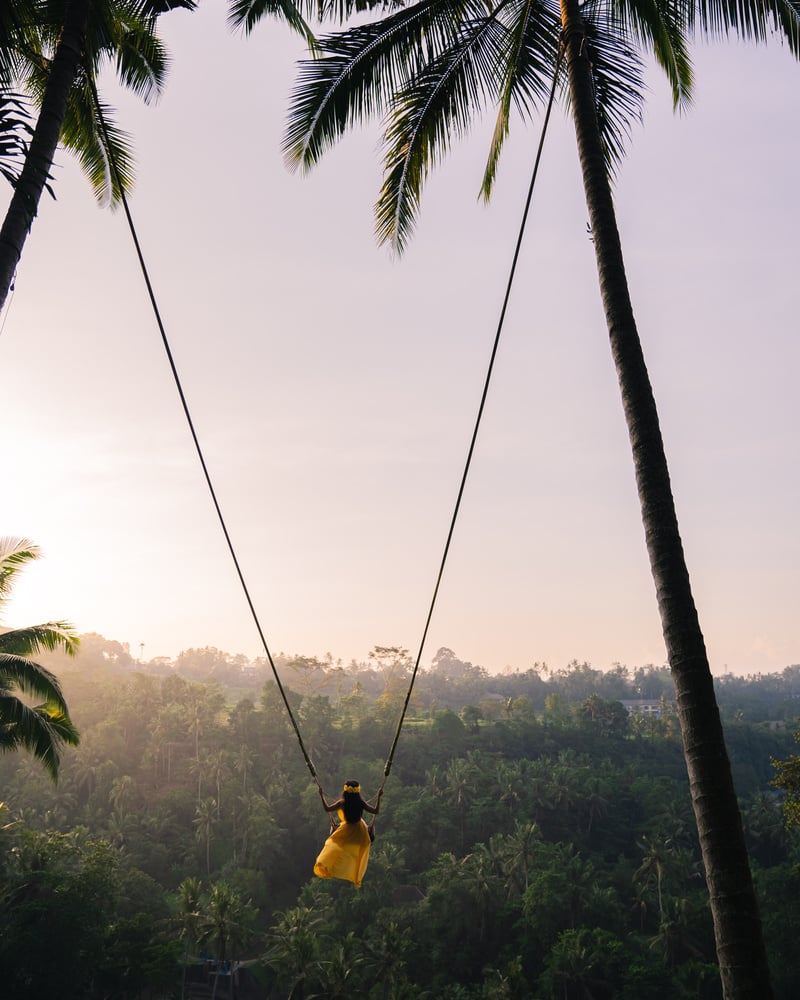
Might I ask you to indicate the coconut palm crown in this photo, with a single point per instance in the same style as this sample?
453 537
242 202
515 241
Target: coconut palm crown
430 68
51 52
46 728
117 32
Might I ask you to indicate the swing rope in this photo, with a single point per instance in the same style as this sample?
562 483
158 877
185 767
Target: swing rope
207 476
500 323
193 432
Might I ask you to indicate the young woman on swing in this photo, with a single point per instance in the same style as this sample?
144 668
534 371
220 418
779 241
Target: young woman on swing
346 851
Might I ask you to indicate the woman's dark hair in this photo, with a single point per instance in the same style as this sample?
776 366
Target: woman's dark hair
353 809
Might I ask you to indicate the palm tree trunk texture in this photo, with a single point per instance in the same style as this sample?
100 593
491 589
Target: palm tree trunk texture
41 152
737 926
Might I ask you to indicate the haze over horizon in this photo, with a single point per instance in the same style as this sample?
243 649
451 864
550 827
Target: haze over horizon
334 387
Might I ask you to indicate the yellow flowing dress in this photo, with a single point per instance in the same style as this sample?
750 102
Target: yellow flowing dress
345 853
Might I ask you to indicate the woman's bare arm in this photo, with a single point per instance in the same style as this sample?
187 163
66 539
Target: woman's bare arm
373 809
338 804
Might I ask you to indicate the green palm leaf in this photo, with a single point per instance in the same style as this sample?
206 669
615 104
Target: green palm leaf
154 8
14 554
43 731
532 52
15 128
141 61
32 679
751 20
122 32
655 26
84 135
62 727
434 107
359 73
245 14
50 637
431 66
619 84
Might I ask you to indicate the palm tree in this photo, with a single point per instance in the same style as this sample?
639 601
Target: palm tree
574 967
429 66
677 933
225 925
204 819
46 728
518 851
294 947
458 789
217 770
480 877
122 795
656 854
55 51
188 919
243 764
594 802
342 974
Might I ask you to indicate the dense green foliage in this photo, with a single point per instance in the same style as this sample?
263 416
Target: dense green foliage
787 779
535 840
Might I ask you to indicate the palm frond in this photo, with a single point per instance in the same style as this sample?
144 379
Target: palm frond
15 129
83 134
531 61
659 27
20 31
62 726
42 730
141 62
245 15
15 28
501 129
787 17
153 8
45 729
619 84
49 637
341 10
750 20
105 26
435 106
360 72
14 554
32 679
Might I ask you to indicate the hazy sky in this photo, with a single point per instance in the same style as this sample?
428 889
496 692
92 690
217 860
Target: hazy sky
334 387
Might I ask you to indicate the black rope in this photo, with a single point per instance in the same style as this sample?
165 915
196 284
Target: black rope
388 766
467 465
195 439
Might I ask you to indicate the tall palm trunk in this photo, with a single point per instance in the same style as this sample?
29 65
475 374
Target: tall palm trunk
737 927
39 160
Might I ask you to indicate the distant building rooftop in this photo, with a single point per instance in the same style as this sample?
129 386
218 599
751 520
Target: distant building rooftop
643 706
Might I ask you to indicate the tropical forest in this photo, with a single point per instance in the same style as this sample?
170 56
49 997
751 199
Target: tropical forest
535 836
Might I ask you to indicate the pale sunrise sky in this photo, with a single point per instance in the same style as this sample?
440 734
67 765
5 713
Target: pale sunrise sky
334 387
